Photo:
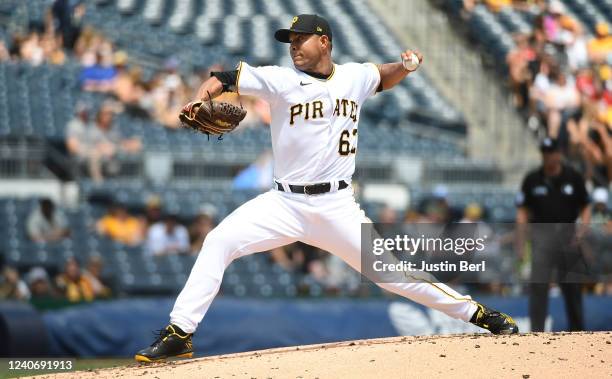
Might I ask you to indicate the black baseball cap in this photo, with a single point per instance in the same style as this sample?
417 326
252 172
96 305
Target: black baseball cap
305 23
549 145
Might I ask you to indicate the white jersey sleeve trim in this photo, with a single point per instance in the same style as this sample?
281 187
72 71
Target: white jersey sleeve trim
238 78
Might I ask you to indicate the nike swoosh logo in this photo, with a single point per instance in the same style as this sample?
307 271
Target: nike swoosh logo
304 84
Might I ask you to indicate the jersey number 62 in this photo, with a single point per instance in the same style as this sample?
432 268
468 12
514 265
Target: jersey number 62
344 146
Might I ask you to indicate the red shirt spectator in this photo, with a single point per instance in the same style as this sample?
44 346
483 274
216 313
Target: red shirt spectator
586 84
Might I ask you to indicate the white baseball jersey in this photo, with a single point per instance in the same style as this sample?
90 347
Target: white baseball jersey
314 121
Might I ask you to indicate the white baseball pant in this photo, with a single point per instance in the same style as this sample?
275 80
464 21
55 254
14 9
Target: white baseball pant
330 221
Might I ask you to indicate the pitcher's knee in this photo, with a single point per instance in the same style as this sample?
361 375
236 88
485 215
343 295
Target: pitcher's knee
218 242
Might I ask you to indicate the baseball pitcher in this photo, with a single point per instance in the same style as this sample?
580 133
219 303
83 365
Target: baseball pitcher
315 107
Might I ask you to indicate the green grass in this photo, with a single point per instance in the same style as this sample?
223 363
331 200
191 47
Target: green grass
79 364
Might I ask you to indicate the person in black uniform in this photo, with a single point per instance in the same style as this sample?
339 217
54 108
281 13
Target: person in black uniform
552 198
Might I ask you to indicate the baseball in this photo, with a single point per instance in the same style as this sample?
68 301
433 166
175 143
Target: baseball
412 63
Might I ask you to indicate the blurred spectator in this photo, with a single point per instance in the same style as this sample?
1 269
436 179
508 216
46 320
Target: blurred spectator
436 208
588 89
128 86
318 271
38 280
387 215
76 129
89 43
262 109
65 17
201 226
46 223
258 111
575 44
309 261
297 257
340 276
258 175
98 145
35 48
31 50
472 213
492 279
552 21
93 274
600 47
96 55
83 142
287 258
169 95
120 226
52 49
527 5
387 219
73 286
518 61
598 152
438 212
167 237
153 210
538 91
11 286
98 73
604 111
562 100
497 5
468 7
412 216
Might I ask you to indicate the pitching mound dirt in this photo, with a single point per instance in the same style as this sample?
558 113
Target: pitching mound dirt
535 355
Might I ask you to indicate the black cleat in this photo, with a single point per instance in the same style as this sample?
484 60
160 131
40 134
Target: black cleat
494 321
171 342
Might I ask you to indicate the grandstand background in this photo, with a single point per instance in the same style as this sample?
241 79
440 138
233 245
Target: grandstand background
450 132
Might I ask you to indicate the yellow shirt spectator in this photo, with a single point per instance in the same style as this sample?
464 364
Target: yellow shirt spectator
119 226
600 46
497 5
72 284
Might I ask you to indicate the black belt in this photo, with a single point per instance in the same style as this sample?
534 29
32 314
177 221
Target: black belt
312 189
